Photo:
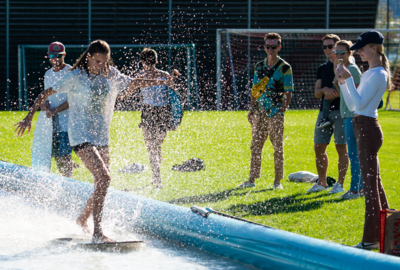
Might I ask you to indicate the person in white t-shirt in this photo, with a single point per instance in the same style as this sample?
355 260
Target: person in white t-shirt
92 86
56 109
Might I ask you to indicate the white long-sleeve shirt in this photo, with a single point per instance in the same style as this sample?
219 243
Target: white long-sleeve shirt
365 99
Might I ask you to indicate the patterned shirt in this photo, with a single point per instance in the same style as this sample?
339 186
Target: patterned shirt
281 81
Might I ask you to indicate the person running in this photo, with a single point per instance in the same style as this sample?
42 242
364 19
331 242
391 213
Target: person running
270 97
364 101
56 109
156 112
92 86
344 54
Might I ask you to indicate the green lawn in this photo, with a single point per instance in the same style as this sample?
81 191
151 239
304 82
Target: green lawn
222 140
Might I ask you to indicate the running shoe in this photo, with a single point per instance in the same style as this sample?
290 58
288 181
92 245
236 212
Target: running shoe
278 186
246 184
366 245
350 195
317 188
337 188
323 123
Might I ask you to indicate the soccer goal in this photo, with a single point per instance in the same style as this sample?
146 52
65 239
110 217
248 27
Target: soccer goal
33 63
239 49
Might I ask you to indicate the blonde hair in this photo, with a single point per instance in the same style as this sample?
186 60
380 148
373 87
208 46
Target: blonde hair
385 62
347 44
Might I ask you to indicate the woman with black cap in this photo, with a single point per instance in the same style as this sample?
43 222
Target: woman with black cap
364 101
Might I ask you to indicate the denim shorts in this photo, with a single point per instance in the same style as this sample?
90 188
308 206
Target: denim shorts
323 135
61 146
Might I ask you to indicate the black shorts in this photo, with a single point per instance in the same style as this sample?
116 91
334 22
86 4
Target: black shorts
157 118
81 146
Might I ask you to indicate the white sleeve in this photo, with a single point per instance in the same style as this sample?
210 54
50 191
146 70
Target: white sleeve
66 83
122 81
346 94
366 91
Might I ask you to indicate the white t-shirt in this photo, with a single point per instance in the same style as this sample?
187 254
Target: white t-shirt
50 78
365 99
91 104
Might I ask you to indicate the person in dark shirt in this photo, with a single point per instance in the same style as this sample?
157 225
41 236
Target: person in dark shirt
324 89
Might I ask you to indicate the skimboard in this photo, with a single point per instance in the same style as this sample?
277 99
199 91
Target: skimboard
176 108
42 143
114 246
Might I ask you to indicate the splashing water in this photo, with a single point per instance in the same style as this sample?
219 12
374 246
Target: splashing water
28 234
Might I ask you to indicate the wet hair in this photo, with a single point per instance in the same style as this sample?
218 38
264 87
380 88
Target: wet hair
331 36
384 61
97 46
148 56
273 36
346 43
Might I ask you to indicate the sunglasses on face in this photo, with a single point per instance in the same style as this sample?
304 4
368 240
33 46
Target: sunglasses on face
341 52
330 46
273 47
56 56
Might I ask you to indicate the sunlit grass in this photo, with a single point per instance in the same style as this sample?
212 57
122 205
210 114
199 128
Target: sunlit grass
222 140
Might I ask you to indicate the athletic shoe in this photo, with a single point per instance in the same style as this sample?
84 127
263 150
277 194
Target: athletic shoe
317 188
278 186
246 184
337 188
350 195
323 123
366 245
133 168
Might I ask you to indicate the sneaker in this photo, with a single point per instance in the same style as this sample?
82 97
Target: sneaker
324 123
337 188
317 188
366 245
278 186
350 195
246 184
133 168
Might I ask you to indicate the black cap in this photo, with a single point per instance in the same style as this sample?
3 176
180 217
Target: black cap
368 37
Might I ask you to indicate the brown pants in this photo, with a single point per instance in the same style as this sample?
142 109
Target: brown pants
369 138
261 127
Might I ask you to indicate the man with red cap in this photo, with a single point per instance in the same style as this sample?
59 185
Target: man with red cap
52 124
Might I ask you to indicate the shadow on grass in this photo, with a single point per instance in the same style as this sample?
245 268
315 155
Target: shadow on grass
215 197
299 202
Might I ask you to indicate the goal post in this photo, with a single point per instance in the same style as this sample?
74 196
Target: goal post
33 63
238 50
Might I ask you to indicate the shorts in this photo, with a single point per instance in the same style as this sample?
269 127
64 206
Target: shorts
156 117
323 135
81 146
61 146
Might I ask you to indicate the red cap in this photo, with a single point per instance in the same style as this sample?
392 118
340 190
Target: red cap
56 48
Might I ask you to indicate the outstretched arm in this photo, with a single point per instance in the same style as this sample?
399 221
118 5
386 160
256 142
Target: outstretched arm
140 82
27 121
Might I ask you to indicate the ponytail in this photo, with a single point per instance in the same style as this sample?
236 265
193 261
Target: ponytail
386 66
385 63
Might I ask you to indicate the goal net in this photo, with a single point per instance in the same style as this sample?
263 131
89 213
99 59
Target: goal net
33 64
238 50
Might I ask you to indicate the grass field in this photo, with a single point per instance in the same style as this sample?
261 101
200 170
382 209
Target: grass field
222 140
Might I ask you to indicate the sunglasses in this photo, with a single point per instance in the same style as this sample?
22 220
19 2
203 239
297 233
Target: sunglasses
274 47
330 46
55 56
341 52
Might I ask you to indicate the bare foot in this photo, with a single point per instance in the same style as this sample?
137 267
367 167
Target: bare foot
83 223
101 238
